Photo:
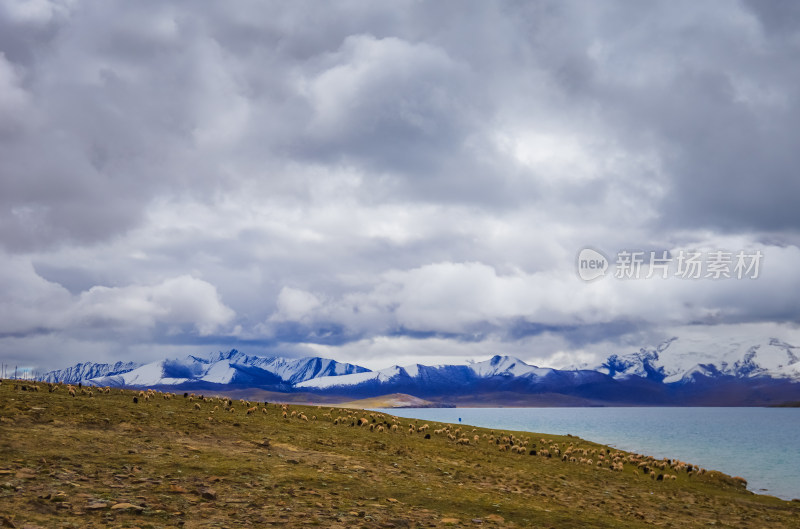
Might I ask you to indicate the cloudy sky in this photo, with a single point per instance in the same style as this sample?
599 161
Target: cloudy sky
391 182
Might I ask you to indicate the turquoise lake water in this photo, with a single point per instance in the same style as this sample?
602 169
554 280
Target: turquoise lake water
760 444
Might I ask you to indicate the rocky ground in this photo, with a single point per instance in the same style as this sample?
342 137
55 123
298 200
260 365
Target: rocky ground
101 460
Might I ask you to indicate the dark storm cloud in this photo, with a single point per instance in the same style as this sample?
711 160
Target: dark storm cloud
780 17
715 94
363 175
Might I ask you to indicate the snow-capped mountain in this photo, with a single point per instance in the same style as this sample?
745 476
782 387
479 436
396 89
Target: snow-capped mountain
678 371
499 373
224 368
497 366
87 371
682 360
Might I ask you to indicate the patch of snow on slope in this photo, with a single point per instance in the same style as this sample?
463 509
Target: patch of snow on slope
352 379
502 365
220 373
148 375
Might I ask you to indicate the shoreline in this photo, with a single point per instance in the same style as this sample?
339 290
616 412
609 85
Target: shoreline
127 458
717 457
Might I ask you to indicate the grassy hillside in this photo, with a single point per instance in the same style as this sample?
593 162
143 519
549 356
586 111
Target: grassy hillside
102 460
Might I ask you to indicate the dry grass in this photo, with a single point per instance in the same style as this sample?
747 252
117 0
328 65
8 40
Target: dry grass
104 461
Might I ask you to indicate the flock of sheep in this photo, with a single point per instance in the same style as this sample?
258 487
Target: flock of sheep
657 470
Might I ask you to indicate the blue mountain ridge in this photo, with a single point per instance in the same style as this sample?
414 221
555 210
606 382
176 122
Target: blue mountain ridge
619 380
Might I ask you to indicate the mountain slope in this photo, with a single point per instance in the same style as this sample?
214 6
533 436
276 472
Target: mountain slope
683 360
678 371
500 373
231 368
88 370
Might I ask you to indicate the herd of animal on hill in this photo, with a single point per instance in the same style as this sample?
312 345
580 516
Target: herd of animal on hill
380 423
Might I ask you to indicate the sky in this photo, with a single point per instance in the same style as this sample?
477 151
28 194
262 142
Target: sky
394 182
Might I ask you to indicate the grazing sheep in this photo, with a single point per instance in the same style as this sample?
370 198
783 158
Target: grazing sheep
196 406
302 417
135 399
251 410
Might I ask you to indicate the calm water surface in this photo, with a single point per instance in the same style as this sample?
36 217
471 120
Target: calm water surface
760 444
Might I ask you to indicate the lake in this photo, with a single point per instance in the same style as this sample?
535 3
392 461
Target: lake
760 444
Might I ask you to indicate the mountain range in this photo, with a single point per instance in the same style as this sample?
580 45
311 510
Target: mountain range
232 369
675 372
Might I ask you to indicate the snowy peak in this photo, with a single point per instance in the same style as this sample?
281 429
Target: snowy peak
685 359
440 375
226 368
500 365
643 363
354 379
300 370
651 374
506 366
88 370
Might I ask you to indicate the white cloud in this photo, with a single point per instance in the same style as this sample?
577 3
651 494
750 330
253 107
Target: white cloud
295 305
391 176
33 305
175 301
371 83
